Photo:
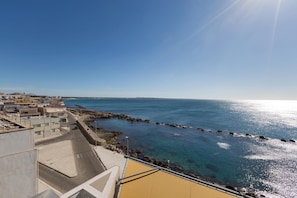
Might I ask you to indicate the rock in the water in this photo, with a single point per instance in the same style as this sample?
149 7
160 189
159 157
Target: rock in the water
262 137
231 187
212 167
147 159
138 151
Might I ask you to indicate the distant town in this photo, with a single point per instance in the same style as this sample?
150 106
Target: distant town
44 114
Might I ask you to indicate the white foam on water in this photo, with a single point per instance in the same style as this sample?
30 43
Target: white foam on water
223 145
239 135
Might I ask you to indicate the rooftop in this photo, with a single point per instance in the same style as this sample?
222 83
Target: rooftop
141 180
7 125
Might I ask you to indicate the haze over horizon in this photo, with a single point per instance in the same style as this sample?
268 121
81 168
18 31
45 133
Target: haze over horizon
197 49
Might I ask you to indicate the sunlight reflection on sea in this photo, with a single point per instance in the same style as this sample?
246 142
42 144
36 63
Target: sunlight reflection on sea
281 160
275 114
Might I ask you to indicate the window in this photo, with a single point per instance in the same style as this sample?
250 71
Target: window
37 125
39 132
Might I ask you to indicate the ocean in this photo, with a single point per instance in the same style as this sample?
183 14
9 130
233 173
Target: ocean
220 141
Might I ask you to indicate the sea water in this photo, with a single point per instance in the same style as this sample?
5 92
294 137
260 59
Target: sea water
240 159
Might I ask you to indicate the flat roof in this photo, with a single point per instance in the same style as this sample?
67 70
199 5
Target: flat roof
147 182
7 125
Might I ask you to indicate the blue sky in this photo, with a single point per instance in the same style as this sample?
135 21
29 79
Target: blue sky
216 49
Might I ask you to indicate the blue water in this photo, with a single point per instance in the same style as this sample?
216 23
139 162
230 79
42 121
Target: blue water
239 160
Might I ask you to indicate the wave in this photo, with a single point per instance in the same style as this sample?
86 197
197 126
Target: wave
223 145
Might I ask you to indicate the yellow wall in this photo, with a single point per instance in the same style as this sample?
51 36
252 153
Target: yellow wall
162 185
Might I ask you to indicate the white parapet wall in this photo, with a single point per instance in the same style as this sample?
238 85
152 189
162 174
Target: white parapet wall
100 186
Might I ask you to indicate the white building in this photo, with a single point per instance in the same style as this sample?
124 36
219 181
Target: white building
59 112
43 126
18 160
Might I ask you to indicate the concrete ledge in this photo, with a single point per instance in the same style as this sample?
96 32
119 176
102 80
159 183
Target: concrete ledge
111 158
42 186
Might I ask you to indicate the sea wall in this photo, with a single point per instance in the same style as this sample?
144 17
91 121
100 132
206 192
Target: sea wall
89 134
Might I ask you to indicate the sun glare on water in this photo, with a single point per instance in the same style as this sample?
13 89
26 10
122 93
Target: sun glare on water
276 106
275 111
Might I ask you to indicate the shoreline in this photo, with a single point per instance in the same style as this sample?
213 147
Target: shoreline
113 144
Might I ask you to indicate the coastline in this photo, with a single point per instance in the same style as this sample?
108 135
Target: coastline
113 144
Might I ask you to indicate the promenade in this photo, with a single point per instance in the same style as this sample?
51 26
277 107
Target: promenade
68 160
63 161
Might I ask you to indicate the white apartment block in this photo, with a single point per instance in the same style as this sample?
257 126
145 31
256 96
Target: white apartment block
42 126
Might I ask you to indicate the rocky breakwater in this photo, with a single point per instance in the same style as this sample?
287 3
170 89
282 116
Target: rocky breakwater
111 137
92 115
86 119
107 115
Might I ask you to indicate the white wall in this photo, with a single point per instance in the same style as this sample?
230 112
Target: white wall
13 142
18 175
18 164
